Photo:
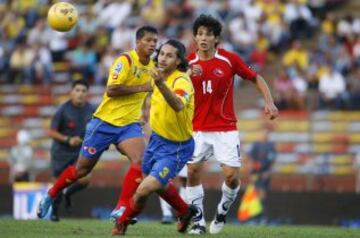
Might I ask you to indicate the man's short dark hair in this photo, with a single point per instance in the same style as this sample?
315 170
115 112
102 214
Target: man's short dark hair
80 82
211 23
142 30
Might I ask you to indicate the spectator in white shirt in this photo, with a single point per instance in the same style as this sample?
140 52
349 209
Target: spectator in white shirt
332 89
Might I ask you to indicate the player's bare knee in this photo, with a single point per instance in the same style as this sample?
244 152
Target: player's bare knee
193 177
193 170
232 180
141 193
136 159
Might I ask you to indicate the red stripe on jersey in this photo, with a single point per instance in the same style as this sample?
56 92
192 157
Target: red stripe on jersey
128 58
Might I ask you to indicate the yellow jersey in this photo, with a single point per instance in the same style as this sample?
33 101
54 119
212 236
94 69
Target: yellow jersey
164 120
124 110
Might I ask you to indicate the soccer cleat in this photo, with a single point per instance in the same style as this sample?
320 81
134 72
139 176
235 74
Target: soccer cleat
217 224
184 221
44 206
166 220
119 229
197 229
116 214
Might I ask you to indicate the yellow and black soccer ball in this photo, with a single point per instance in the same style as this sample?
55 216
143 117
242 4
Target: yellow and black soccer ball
62 16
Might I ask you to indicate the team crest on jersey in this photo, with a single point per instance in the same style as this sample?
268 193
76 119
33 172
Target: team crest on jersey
118 68
92 150
218 72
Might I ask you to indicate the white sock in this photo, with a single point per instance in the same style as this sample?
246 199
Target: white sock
165 208
227 199
182 192
195 196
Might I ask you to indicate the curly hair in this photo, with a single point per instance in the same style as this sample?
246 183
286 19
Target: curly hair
211 23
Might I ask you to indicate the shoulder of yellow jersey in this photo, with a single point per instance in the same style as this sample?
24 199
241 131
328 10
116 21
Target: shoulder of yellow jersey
125 56
179 75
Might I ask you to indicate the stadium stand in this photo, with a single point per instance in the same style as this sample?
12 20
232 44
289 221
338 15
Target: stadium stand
317 148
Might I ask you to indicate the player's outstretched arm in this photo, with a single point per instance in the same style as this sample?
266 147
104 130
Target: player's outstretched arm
123 90
270 108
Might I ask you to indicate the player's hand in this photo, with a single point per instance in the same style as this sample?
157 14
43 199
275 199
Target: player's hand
195 70
157 75
75 141
271 111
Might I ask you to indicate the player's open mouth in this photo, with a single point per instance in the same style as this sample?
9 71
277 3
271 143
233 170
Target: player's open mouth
203 44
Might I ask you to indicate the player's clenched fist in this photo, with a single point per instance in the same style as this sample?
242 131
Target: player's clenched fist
271 111
195 70
157 75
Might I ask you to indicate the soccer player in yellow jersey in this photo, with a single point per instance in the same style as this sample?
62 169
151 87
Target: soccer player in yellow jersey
116 120
171 144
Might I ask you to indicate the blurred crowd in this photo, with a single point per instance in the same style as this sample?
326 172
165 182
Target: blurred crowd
319 49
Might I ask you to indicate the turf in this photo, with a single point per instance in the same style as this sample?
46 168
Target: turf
96 228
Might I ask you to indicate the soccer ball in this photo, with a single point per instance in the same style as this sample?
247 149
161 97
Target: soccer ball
62 16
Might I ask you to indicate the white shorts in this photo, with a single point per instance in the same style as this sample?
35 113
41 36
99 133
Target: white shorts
223 146
183 172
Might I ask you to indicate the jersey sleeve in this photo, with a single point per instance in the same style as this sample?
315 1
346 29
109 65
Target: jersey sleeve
56 119
119 71
183 89
241 68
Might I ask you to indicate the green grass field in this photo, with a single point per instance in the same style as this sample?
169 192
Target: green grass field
96 228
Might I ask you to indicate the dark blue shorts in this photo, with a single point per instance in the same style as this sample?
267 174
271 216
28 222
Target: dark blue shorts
164 159
100 134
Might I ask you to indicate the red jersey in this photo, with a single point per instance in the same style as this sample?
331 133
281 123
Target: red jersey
214 89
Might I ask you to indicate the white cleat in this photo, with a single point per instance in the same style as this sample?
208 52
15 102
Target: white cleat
116 213
217 224
197 229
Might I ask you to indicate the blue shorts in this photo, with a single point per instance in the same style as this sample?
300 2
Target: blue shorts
99 135
164 159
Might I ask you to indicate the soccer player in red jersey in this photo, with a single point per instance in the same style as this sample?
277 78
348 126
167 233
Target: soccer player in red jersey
215 132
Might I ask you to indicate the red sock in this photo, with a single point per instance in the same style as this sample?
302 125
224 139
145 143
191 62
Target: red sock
67 177
131 211
171 196
131 182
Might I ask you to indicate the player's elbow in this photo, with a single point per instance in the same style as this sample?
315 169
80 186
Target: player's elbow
178 106
110 92
258 79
